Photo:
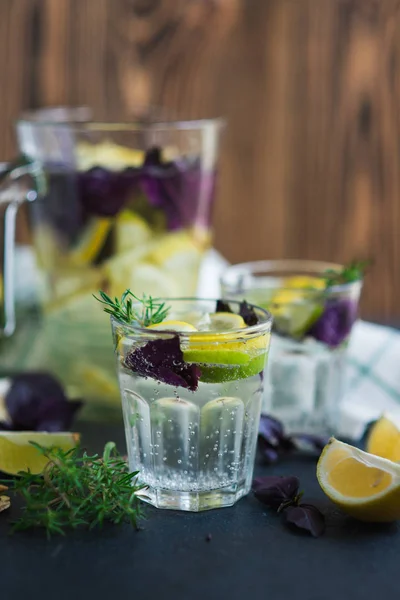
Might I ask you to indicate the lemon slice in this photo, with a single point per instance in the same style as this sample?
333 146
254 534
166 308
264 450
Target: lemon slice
107 154
131 231
384 439
172 326
18 454
224 321
304 282
91 242
365 486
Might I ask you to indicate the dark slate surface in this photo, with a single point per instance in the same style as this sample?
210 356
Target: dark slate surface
251 553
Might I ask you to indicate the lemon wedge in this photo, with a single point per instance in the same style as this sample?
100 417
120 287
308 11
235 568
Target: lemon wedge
365 486
173 326
384 439
18 454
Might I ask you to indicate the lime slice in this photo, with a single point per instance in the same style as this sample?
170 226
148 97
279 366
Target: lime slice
18 454
172 326
219 373
298 318
293 308
224 321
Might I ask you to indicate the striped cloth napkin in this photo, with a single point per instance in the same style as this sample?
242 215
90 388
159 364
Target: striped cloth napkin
373 374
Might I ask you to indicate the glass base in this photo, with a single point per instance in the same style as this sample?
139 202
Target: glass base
195 501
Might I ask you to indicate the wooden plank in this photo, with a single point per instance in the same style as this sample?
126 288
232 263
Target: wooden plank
311 89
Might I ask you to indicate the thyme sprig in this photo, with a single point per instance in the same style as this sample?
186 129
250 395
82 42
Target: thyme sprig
78 490
151 312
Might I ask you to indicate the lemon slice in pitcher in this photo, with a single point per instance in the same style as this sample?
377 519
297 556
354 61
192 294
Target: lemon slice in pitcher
108 155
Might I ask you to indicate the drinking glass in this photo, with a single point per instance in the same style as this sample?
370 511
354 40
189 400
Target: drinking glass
311 331
191 405
112 205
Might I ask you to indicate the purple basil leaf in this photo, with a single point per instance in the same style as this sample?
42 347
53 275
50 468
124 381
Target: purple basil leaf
248 314
271 430
104 192
162 359
316 442
268 452
306 516
335 323
37 402
223 307
168 185
275 490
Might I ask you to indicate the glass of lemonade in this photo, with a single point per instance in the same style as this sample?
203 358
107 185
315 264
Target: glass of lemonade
314 311
117 205
191 390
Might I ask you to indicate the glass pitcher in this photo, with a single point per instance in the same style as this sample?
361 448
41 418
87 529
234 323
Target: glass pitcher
111 206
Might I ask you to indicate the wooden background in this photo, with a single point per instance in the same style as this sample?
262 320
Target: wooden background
311 89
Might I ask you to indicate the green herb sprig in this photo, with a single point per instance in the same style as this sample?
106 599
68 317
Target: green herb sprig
77 490
152 311
354 271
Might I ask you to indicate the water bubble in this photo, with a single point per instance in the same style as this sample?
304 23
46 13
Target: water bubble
165 458
179 461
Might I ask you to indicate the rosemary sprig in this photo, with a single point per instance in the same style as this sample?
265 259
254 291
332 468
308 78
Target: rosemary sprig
152 310
76 490
354 271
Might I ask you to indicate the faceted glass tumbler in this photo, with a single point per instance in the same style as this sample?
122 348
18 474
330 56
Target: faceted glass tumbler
193 445
311 332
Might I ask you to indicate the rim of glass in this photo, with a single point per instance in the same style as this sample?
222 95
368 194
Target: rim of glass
262 327
85 123
294 267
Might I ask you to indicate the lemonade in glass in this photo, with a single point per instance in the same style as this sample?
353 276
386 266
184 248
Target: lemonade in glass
191 387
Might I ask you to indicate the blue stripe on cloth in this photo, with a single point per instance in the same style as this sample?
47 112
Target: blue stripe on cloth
366 370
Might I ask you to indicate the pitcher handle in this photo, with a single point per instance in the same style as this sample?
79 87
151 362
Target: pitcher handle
20 180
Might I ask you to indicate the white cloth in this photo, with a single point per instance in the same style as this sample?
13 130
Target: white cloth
373 373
